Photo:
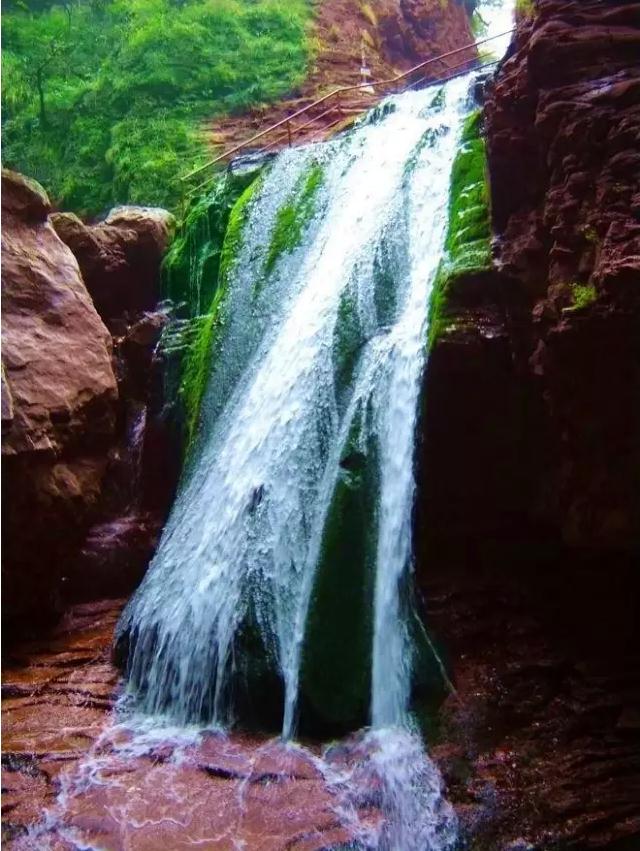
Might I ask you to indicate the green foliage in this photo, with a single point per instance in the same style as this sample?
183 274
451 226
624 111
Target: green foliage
294 216
369 13
583 295
525 7
197 366
478 25
468 240
102 99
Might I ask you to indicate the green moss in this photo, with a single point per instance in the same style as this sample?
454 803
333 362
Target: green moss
195 373
192 264
438 100
472 126
427 140
468 239
336 667
583 295
347 340
197 365
294 216
388 271
233 237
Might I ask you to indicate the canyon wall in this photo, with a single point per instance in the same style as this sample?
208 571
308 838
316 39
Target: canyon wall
77 341
528 516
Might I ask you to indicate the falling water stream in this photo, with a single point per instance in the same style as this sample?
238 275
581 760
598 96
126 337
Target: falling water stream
244 541
313 394
245 536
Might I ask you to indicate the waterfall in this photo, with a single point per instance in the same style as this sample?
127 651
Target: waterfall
325 347
283 575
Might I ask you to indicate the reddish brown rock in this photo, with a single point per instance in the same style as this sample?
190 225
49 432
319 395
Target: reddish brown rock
174 790
565 118
74 400
412 31
60 402
56 351
119 257
528 514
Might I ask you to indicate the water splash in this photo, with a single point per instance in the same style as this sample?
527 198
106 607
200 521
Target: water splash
147 784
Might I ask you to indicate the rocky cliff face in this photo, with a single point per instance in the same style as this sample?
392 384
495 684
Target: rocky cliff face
412 31
73 394
529 511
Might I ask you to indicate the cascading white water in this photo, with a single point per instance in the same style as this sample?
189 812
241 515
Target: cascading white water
244 537
241 550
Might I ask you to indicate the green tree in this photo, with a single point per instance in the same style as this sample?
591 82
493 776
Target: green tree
103 99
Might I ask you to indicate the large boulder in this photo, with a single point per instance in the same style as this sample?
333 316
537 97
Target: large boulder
119 257
59 398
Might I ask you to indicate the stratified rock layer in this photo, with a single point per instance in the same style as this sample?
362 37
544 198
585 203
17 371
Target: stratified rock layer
528 517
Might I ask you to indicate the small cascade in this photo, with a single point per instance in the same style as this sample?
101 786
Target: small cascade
136 425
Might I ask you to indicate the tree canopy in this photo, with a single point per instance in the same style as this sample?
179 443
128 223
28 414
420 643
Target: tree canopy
103 99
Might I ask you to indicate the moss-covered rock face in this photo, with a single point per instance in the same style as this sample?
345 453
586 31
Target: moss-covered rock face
197 366
347 343
335 680
294 216
468 240
192 264
197 272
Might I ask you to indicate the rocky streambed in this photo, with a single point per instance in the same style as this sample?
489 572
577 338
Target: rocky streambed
76 773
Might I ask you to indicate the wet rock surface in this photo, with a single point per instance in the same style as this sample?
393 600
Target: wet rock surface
105 786
74 396
528 515
119 257
60 401
56 351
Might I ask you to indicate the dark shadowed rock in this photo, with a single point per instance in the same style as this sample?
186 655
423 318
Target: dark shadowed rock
528 510
59 402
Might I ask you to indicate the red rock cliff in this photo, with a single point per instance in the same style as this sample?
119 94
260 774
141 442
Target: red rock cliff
528 520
